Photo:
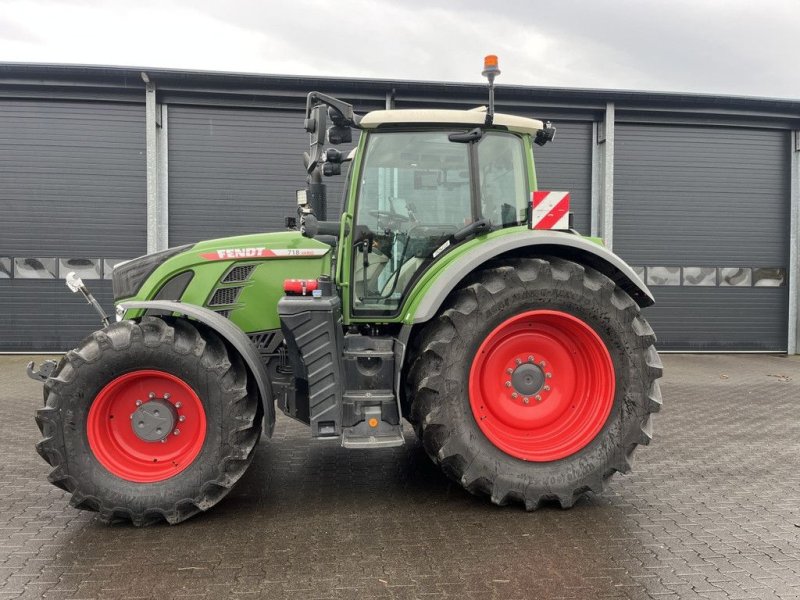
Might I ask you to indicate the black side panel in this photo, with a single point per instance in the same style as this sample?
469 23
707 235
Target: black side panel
313 332
73 197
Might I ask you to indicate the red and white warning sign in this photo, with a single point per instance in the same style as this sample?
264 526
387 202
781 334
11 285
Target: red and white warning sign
549 210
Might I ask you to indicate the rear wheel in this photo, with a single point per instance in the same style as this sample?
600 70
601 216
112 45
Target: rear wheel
535 382
149 421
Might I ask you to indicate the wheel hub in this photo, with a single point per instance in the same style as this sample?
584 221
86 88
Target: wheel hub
146 426
154 420
527 379
541 385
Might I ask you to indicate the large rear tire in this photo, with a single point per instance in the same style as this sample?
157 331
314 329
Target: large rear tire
149 421
535 382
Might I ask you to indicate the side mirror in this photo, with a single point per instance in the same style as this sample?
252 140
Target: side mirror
545 135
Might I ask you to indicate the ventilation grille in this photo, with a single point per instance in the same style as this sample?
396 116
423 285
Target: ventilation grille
223 313
266 341
225 296
239 274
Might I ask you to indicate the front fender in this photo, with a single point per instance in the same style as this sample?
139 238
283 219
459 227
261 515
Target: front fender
428 296
232 334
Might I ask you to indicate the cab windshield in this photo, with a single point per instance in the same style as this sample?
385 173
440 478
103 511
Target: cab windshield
416 190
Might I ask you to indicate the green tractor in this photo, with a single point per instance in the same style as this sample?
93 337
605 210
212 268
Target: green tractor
450 293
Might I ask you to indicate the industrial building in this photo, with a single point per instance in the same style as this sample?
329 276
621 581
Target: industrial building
101 164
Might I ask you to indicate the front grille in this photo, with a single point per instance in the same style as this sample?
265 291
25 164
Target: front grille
225 296
239 274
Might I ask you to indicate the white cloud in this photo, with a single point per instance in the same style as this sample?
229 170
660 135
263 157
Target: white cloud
712 46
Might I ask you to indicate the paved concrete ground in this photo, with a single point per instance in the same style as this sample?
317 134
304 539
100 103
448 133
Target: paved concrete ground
712 510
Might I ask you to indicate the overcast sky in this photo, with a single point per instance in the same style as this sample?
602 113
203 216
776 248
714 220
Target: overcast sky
746 47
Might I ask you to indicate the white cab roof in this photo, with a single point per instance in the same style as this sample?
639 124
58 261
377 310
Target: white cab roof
449 117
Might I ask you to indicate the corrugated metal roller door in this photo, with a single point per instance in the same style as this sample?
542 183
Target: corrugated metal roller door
235 171
565 164
73 197
704 213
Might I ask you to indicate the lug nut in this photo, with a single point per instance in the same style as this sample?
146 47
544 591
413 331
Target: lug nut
178 405
526 400
176 432
548 375
509 371
166 396
546 388
518 361
138 403
542 364
515 395
508 384
530 359
151 395
538 398
164 440
131 415
182 418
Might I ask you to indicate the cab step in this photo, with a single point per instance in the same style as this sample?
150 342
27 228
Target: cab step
373 432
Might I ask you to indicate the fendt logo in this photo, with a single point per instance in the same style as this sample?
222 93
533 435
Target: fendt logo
261 252
230 253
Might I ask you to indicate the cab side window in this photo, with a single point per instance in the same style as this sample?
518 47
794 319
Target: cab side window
503 184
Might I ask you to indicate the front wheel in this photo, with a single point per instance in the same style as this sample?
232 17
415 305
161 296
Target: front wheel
535 382
149 421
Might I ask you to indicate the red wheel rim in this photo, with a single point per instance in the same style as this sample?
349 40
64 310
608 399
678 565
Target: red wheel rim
116 410
541 385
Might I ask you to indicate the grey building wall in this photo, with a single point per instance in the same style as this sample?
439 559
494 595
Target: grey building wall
701 191
705 210
72 192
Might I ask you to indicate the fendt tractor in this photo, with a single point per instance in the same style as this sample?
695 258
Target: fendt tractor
450 293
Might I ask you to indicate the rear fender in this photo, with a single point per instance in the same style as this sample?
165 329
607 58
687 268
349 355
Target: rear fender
232 334
569 246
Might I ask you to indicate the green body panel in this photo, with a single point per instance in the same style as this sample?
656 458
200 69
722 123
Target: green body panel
256 306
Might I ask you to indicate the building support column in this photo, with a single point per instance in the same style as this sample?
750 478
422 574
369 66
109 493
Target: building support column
156 155
162 177
794 249
603 178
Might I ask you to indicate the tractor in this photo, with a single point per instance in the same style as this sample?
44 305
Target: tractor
450 293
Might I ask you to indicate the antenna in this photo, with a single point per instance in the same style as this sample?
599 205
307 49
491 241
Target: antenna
490 71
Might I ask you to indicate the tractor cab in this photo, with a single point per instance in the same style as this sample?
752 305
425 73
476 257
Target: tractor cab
421 188
421 182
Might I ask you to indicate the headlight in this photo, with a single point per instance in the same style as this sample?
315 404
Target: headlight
127 278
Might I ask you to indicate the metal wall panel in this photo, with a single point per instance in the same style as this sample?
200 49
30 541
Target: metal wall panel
72 193
235 171
565 164
706 198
